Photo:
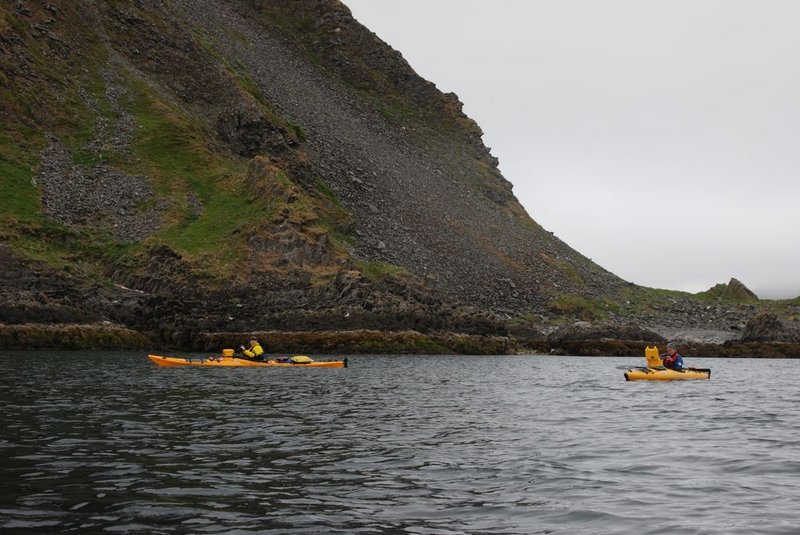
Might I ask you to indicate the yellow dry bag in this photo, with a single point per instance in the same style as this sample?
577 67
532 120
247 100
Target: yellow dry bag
652 357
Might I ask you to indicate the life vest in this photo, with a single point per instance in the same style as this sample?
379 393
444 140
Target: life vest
675 362
255 351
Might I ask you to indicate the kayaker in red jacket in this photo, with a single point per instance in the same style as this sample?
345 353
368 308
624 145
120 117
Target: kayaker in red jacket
672 360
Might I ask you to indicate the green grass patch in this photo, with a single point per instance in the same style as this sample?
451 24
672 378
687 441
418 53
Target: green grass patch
297 130
211 231
67 250
345 240
327 192
396 111
721 292
579 307
178 159
297 22
20 198
375 271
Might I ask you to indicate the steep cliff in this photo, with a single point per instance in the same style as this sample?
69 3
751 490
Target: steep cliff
183 166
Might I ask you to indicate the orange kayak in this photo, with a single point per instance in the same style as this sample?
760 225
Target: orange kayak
232 361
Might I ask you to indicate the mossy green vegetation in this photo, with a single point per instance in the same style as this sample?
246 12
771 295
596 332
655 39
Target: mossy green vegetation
23 226
722 292
84 337
713 293
376 271
575 306
19 195
176 157
205 207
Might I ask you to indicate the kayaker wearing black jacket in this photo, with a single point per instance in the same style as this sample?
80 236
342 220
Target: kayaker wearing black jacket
254 352
673 360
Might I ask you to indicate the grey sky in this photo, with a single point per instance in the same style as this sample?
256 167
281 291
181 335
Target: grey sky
659 138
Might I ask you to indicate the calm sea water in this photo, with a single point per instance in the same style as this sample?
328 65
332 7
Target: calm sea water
109 443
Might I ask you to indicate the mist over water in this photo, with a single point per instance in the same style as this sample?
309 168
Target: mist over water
97 442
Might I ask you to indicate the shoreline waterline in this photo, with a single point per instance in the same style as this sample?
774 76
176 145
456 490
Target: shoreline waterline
93 337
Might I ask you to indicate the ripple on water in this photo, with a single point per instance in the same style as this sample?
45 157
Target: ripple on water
396 444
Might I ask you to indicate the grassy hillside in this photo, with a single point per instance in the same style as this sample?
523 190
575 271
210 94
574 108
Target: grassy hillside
200 188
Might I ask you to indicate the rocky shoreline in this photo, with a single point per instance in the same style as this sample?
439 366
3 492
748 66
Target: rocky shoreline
594 341
41 308
88 337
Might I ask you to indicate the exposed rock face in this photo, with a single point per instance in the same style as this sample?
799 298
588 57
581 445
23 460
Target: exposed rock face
426 199
584 331
737 291
765 327
32 292
248 132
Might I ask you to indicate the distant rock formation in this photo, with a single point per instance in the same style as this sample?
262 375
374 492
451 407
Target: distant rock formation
733 291
736 290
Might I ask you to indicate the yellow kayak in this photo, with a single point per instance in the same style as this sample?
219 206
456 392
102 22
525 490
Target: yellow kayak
655 371
665 374
294 362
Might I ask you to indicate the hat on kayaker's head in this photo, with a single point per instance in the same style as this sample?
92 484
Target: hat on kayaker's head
671 345
252 339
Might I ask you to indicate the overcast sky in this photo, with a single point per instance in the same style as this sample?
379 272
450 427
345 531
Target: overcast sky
660 138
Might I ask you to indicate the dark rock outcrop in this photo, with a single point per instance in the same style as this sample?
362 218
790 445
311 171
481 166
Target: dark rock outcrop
584 338
248 132
32 292
766 327
584 331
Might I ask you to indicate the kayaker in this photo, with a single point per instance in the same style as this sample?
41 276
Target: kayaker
254 351
673 360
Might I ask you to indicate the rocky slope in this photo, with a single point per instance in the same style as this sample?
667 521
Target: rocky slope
177 167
